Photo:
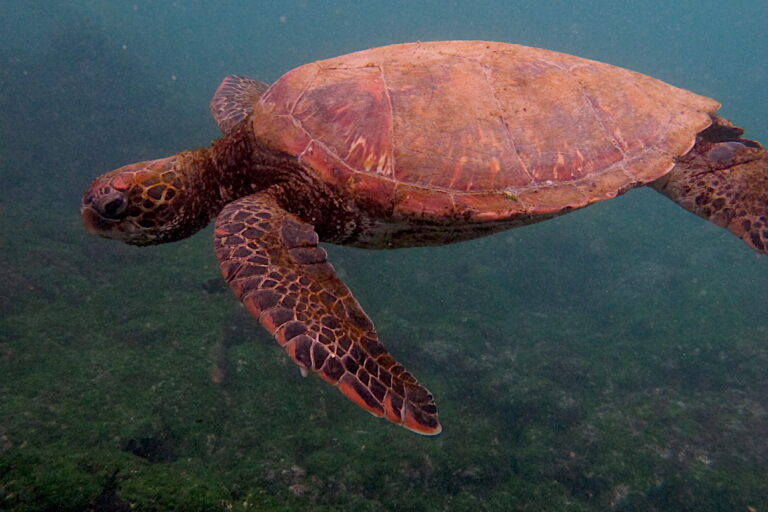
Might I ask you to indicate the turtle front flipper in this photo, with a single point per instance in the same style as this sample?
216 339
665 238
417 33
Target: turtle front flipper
233 101
272 262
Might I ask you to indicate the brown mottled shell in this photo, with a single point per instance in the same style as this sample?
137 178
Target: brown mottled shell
479 129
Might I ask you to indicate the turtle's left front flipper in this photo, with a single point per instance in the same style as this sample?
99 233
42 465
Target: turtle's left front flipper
272 262
724 179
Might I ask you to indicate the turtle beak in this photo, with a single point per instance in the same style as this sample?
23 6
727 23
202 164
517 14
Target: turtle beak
93 223
102 210
113 229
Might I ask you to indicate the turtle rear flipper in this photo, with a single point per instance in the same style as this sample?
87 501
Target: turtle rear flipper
272 262
725 182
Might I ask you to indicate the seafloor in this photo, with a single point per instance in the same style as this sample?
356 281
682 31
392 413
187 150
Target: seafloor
591 363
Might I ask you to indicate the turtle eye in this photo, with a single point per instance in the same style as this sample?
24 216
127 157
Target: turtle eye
112 205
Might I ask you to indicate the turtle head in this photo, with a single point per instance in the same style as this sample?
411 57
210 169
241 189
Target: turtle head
144 203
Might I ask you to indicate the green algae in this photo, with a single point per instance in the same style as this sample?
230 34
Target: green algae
574 425
546 423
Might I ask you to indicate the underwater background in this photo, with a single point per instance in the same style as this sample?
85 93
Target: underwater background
612 359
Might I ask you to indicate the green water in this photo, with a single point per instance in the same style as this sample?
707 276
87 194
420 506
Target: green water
612 359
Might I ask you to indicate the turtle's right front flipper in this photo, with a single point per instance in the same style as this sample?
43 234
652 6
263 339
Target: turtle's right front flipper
272 262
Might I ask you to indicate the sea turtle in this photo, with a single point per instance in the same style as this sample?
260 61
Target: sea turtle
414 145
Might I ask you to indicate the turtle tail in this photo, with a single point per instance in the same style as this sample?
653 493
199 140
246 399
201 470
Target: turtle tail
724 179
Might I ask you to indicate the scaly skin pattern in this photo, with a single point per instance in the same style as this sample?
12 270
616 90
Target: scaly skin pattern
148 202
724 179
272 262
169 199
